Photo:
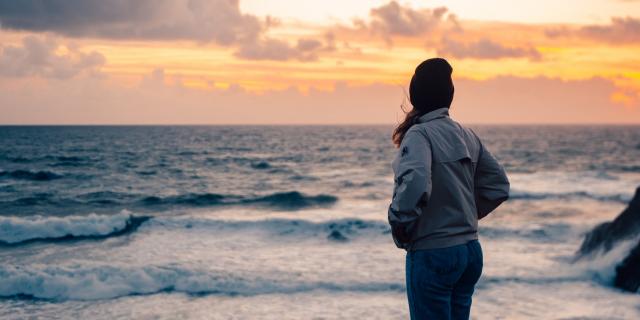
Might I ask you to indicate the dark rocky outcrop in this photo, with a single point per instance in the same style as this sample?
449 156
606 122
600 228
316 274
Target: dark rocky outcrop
605 236
628 272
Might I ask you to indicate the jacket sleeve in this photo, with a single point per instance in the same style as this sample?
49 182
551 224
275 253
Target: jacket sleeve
412 186
491 183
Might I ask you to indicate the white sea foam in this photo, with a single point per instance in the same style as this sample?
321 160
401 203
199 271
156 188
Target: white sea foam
19 229
602 265
594 185
104 282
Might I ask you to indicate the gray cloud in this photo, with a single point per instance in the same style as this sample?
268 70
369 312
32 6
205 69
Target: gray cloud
217 21
308 44
306 49
394 19
38 57
619 30
485 49
267 49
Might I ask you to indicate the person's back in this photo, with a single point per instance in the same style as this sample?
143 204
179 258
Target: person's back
445 180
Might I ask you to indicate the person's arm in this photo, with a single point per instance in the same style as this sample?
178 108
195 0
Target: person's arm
412 188
491 183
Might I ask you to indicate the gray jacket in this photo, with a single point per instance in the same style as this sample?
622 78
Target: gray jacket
445 180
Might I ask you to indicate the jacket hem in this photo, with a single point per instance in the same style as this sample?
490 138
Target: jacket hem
430 243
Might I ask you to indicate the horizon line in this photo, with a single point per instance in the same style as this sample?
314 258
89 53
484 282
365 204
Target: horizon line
310 124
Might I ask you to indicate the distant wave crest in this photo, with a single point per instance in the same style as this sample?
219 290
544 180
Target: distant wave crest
281 200
30 175
519 195
18 230
291 200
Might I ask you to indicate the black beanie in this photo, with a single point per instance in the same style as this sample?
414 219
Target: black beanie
431 86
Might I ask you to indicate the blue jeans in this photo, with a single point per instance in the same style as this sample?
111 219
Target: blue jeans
440 282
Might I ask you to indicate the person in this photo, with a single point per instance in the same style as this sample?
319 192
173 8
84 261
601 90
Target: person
445 181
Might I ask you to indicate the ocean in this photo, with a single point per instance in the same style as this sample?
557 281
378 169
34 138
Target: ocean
289 222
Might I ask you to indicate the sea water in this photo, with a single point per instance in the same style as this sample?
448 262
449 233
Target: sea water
289 222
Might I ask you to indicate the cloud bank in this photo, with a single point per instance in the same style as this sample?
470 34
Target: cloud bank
205 21
163 99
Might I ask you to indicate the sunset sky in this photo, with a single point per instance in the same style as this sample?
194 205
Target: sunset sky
320 62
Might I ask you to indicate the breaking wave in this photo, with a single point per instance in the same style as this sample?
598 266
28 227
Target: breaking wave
106 282
17 230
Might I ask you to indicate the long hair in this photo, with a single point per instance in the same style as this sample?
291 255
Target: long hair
410 118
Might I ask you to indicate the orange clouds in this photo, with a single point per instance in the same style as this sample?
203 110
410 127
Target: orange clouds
212 53
164 98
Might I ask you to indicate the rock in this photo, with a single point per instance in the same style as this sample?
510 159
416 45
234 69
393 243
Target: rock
603 237
628 272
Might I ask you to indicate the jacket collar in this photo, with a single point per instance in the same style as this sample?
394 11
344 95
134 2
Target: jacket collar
435 114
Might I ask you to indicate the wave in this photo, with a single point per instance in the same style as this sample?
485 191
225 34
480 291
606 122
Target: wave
109 200
520 195
30 175
91 281
69 161
261 165
147 172
292 199
341 230
106 197
106 282
552 232
57 160
280 200
193 199
17 159
601 265
39 199
347 229
17 230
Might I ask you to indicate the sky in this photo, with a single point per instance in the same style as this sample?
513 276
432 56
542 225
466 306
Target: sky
315 62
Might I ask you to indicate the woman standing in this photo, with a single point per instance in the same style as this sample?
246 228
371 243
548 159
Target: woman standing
445 181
